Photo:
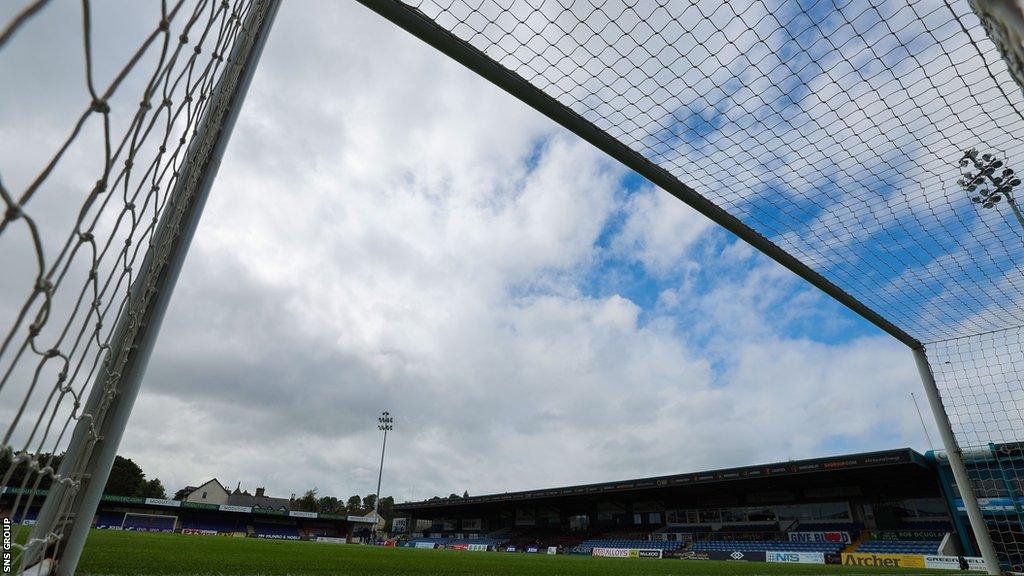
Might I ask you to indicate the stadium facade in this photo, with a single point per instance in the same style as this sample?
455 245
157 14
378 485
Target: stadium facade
894 506
869 507
139 514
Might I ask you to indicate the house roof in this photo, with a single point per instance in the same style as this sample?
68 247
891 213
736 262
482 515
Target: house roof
245 499
207 483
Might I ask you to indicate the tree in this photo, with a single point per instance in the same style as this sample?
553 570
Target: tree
151 489
387 508
368 501
353 506
308 502
453 496
465 494
126 478
182 494
17 478
330 505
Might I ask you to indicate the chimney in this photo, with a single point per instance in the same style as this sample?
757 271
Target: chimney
260 491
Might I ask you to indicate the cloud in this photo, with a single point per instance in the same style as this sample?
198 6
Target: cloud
660 231
389 231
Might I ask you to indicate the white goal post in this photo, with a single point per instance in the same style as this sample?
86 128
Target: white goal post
142 149
1004 22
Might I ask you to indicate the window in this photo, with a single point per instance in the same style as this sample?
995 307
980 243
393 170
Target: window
204 495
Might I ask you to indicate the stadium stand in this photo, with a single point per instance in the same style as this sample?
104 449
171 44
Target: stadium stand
311 532
900 547
540 538
851 527
107 519
29 515
931 525
694 529
766 545
455 541
648 544
284 531
771 527
213 524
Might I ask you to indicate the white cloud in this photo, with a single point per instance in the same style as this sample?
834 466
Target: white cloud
389 231
660 231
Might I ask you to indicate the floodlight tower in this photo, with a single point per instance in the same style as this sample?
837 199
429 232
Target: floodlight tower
384 423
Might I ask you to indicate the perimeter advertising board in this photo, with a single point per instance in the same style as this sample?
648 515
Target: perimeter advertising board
795 557
833 537
278 536
954 563
163 502
989 505
627 552
734 555
611 552
898 535
883 560
653 553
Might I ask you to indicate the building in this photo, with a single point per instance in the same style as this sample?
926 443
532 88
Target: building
884 502
210 492
259 500
213 492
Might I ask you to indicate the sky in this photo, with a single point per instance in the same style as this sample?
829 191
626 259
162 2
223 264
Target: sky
389 231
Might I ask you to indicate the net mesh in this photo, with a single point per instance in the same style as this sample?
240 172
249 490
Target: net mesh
876 141
868 139
980 378
86 174
835 129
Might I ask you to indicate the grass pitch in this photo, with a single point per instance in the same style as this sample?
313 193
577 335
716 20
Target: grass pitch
109 552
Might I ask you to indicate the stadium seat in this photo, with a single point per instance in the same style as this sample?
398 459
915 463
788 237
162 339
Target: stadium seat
900 547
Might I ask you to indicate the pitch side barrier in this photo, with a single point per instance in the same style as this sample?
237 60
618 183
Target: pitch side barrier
860 559
848 559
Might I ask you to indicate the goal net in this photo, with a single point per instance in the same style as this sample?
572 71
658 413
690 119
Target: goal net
112 116
149 522
871 147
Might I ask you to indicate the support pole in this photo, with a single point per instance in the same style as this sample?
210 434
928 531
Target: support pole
68 511
956 464
384 423
380 474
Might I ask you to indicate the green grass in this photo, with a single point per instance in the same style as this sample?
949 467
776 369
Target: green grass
115 553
